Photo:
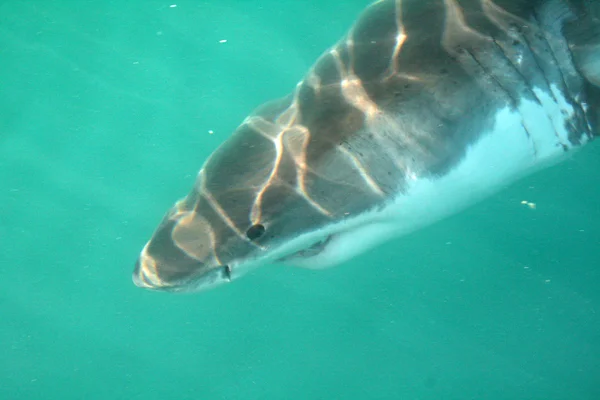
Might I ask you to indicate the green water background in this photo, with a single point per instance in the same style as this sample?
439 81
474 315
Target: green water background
105 109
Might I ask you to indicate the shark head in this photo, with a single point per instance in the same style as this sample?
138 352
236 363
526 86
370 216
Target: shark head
271 193
294 182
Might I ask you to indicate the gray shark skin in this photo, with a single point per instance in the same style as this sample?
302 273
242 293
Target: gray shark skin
423 108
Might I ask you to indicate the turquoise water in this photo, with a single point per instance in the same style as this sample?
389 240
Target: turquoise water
105 113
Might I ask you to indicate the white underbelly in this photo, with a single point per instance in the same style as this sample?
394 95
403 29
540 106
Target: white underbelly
520 142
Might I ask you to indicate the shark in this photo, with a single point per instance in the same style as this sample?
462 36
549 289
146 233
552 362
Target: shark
423 108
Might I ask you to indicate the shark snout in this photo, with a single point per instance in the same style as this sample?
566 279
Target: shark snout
178 273
142 279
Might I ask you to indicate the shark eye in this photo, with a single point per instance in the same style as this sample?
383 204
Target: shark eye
255 231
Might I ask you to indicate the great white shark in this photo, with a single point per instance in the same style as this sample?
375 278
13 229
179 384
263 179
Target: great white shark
423 108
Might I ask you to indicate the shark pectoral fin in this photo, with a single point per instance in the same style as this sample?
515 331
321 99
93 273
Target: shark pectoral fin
591 69
588 61
583 36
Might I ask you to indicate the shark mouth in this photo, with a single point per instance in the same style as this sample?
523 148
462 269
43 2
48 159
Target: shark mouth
311 251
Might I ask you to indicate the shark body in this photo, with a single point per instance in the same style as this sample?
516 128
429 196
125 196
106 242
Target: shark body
423 108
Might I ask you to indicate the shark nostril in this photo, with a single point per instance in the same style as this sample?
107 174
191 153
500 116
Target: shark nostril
227 271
